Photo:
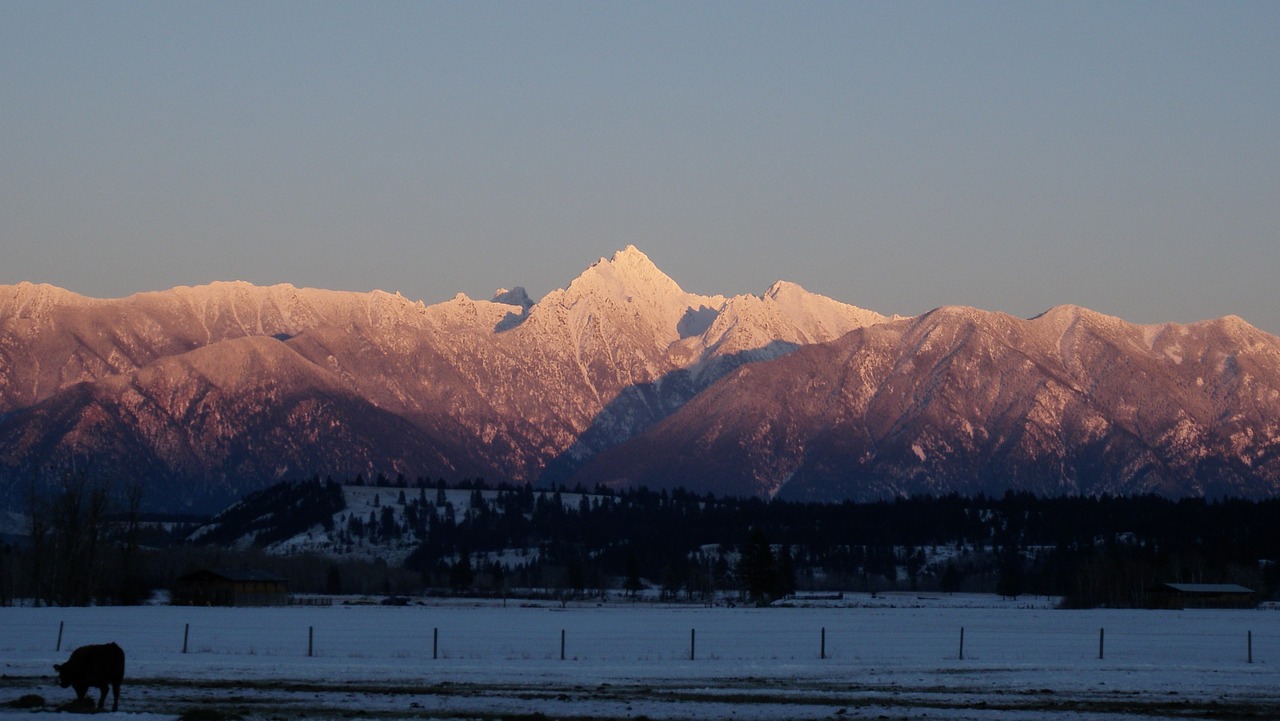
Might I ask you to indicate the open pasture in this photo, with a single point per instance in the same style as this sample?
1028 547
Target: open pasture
622 660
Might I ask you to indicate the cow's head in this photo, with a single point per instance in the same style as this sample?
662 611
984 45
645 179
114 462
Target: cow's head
63 681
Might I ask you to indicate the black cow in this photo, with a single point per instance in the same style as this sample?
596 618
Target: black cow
94 667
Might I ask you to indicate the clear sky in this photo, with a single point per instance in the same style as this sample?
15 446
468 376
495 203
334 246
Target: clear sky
898 156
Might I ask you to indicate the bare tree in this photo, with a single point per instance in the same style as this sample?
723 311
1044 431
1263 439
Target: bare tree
79 517
68 531
132 588
39 580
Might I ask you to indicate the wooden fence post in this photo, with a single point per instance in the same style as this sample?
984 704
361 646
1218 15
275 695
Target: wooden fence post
693 636
562 644
1250 645
311 639
435 643
962 643
60 625
186 633
822 647
1101 636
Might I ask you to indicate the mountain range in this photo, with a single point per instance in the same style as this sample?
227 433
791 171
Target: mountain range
204 394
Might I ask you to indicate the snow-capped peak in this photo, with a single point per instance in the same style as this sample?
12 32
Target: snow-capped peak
784 289
629 282
628 274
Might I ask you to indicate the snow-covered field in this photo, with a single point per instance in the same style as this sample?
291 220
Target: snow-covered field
891 657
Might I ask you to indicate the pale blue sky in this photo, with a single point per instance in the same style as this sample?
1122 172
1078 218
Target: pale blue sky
899 156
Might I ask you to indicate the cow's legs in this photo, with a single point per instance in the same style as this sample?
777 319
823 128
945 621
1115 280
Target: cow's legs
115 698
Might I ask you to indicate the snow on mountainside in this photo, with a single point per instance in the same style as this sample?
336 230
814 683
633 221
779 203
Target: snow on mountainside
961 400
51 339
678 343
166 386
785 317
204 394
346 522
353 522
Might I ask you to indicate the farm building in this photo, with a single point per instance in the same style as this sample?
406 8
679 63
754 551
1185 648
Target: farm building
221 587
1204 595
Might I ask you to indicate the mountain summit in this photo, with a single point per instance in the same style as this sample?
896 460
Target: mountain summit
622 377
206 393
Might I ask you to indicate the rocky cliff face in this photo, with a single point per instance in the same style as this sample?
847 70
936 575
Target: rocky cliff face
205 393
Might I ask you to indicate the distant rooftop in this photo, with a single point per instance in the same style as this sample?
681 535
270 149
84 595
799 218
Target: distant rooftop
1209 588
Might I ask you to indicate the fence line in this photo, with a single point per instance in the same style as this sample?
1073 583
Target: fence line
634 635
460 650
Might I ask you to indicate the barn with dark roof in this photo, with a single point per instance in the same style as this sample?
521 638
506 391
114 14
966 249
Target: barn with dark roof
1204 595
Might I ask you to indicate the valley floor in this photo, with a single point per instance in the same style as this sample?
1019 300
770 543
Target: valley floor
890 657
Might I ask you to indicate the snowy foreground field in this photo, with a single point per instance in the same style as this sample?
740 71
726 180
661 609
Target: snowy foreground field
893 657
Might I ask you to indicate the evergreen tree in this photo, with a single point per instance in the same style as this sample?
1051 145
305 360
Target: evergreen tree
785 583
951 578
461 574
387 526
632 583
756 569
1009 583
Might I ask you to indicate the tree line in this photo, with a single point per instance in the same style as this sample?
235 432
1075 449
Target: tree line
1091 551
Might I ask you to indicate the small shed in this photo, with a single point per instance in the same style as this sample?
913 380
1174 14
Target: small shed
223 587
1204 595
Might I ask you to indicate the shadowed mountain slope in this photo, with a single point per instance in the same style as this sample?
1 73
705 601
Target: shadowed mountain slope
961 400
